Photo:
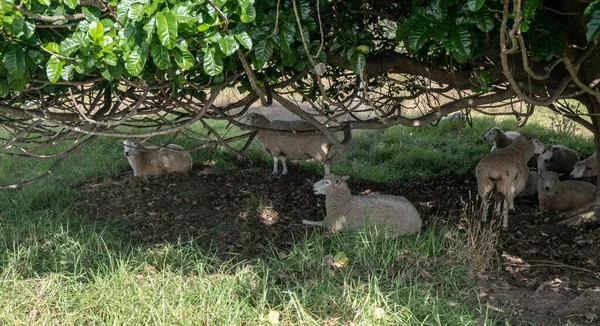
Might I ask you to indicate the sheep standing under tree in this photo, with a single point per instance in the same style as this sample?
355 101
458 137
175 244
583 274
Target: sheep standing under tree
281 145
503 174
153 160
394 215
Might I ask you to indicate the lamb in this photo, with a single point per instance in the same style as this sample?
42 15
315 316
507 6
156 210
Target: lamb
557 158
500 138
585 168
503 174
555 195
394 214
531 186
153 160
282 146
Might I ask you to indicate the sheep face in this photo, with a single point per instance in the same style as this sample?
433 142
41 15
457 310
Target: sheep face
130 147
492 134
547 153
257 119
581 170
532 139
324 186
549 180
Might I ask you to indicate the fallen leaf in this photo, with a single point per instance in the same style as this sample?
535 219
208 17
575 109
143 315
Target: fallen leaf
273 317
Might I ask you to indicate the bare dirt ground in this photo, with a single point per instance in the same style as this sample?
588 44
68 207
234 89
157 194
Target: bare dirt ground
546 274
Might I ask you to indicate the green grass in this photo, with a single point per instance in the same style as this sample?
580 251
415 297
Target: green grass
60 268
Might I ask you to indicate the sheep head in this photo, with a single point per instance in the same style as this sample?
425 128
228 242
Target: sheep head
130 147
538 146
493 134
329 182
581 169
549 181
547 153
256 119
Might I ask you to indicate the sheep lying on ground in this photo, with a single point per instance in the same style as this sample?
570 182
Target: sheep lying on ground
555 195
585 168
281 146
557 158
456 116
531 186
154 160
503 174
394 214
500 138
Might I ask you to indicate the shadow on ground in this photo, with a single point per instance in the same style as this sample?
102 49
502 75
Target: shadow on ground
547 274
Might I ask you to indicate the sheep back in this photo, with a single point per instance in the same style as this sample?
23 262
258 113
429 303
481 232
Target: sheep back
147 161
503 172
562 161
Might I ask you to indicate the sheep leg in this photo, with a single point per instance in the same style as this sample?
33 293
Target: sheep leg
505 218
315 223
275 165
498 207
285 170
484 206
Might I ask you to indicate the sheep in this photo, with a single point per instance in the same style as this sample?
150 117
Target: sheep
555 195
395 214
585 168
557 158
282 146
456 116
503 174
500 138
531 186
154 160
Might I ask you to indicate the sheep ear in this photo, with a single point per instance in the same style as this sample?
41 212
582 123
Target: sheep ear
346 177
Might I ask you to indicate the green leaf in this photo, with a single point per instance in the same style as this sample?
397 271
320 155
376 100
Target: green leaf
263 51
213 65
184 59
3 88
91 14
67 72
593 26
166 27
289 58
461 42
149 28
160 56
417 37
228 45
17 82
358 62
248 14
52 47
203 27
54 68
45 2
70 3
136 60
529 8
244 39
136 12
14 60
484 20
475 5
111 59
96 32
304 9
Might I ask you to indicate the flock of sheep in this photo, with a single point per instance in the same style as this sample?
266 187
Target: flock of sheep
501 175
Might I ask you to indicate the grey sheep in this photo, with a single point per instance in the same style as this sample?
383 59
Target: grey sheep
558 196
557 158
282 146
502 174
585 168
394 214
153 160
531 186
500 138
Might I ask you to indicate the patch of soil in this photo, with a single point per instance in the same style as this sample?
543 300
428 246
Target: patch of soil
548 274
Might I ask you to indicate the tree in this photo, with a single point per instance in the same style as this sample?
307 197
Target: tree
81 69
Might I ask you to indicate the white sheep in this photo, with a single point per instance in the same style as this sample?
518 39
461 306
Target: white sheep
154 160
393 214
585 168
281 146
555 195
503 174
500 138
557 158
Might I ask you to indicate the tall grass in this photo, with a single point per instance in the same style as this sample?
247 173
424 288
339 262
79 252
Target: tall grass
60 268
